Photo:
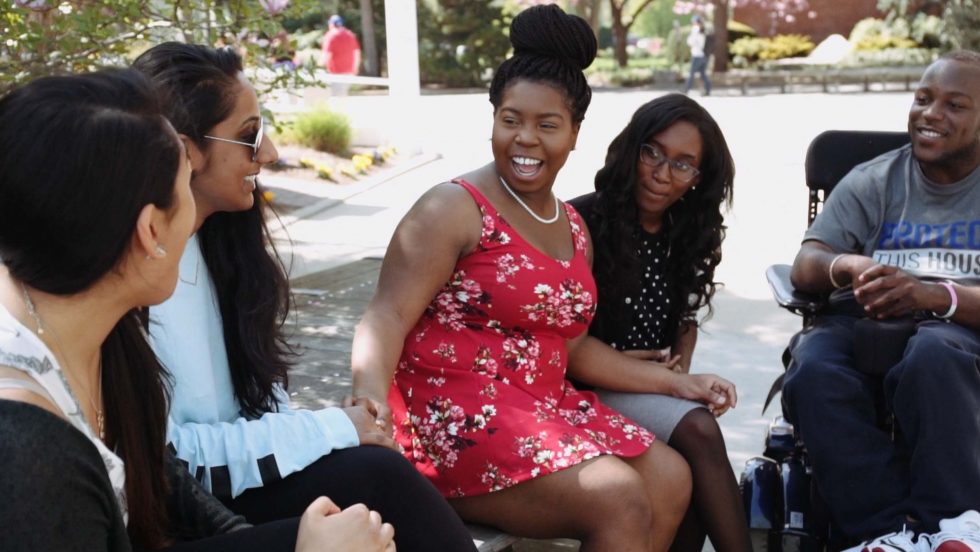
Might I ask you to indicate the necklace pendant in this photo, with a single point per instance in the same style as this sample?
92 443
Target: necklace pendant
100 421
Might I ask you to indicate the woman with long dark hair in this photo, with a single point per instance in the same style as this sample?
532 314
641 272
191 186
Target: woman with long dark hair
95 211
657 226
221 334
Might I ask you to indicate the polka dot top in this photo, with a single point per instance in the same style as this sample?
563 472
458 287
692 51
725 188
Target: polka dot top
649 308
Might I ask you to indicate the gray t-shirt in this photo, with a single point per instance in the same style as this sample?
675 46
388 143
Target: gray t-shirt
888 210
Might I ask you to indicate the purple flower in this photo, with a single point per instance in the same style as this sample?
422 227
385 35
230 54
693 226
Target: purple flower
36 5
274 7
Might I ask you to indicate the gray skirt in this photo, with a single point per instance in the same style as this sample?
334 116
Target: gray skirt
658 414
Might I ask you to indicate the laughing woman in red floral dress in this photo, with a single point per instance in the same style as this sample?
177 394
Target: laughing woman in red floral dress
483 301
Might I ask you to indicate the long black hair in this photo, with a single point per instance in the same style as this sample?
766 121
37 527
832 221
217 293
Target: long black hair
696 224
250 280
80 157
553 48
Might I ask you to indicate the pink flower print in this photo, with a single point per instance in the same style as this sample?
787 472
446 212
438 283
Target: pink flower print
436 382
567 305
446 351
546 410
520 353
494 479
630 430
507 266
490 232
489 391
460 297
442 432
484 363
580 415
579 235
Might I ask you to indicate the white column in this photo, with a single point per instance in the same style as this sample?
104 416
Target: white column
401 26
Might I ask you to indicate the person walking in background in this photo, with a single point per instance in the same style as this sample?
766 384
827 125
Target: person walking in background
341 53
699 61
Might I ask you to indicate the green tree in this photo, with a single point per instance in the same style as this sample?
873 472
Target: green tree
45 37
624 14
460 41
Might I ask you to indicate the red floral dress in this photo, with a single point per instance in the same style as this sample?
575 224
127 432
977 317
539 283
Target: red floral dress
480 400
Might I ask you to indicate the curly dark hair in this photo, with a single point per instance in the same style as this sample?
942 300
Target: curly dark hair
550 47
696 225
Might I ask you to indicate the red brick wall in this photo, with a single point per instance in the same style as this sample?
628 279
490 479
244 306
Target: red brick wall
829 17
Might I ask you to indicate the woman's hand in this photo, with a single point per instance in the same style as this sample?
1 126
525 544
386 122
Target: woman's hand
717 393
370 431
659 357
325 528
378 409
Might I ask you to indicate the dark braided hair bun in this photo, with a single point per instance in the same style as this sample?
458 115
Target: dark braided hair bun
552 47
547 31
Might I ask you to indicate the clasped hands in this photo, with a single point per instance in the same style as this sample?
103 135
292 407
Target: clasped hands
889 292
372 420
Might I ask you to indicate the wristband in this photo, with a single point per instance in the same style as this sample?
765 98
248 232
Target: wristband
830 271
952 301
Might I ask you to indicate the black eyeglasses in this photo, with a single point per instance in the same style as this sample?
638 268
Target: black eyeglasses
681 171
255 146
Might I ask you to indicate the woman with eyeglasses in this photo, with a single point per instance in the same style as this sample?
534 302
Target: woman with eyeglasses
657 226
221 334
95 211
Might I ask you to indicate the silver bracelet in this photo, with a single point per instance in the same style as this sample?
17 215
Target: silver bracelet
830 271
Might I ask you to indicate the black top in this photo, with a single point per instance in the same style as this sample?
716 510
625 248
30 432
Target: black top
644 318
56 493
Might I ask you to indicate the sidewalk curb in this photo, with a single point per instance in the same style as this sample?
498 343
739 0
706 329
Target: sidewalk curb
354 189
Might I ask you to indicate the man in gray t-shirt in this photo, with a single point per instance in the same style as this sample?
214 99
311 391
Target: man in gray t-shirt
903 231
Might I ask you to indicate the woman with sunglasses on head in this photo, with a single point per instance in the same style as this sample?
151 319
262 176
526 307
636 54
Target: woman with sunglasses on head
221 334
657 226
95 212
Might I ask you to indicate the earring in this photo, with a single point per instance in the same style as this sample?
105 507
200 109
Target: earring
160 251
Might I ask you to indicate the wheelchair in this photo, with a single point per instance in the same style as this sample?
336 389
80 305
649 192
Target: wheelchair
784 510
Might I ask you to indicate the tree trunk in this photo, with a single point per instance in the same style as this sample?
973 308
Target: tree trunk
592 14
619 32
721 35
369 53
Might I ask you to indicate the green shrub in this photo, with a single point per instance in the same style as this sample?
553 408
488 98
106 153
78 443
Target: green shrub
878 34
323 130
747 51
891 57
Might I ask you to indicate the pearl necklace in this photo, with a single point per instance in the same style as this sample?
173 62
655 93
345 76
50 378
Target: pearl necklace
538 218
32 311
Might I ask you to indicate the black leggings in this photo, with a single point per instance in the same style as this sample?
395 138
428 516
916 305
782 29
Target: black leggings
276 536
377 477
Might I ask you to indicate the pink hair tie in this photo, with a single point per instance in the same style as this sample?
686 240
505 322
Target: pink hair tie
952 301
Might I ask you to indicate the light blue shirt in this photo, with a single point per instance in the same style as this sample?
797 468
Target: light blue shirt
227 452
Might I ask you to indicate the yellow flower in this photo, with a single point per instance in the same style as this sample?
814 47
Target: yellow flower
325 172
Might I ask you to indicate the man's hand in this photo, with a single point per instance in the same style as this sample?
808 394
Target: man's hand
889 292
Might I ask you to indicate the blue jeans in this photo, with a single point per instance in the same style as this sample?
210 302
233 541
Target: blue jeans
874 485
698 65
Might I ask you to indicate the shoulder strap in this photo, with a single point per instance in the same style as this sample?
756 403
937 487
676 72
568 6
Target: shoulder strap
27 385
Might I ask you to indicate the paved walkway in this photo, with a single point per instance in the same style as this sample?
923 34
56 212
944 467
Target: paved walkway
768 135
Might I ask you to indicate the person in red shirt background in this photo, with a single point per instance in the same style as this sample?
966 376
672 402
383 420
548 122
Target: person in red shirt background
341 53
